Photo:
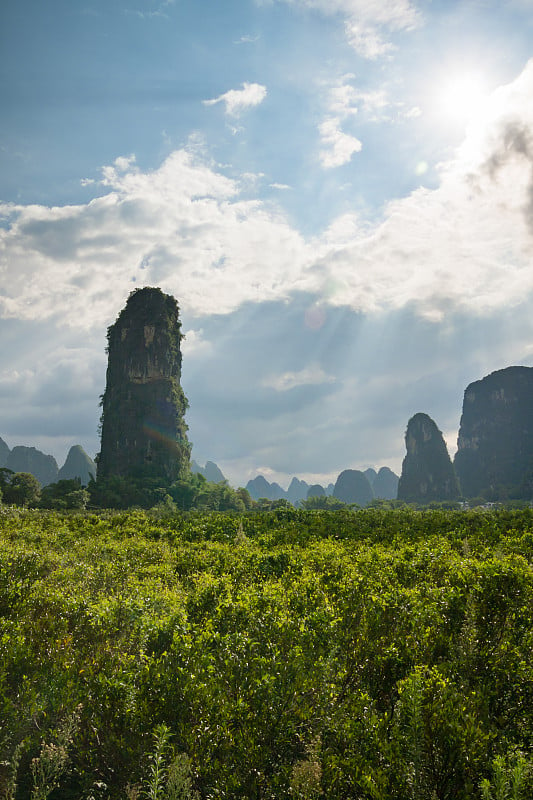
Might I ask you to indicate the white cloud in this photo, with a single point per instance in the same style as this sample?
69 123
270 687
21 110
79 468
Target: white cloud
194 343
342 98
366 40
250 180
369 22
339 146
238 100
124 163
398 14
373 103
309 376
180 227
343 102
468 244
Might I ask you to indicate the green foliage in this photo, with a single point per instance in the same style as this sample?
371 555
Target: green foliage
65 494
5 478
372 654
511 776
170 773
23 489
158 764
324 502
190 492
52 762
196 492
306 775
12 766
136 491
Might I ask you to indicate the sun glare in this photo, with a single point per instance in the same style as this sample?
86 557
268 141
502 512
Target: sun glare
461 97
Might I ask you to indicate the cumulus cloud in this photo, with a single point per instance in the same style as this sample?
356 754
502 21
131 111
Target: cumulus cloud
369 23
338 146
181 227
343 97
195 344
466 244
238 100
344 100
367 40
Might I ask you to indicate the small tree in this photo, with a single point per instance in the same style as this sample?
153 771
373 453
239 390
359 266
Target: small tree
23 490
244 494
65 494
5 479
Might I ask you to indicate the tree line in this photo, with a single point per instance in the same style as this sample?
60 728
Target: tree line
143 490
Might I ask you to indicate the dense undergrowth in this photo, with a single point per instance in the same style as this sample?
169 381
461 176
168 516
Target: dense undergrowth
353 654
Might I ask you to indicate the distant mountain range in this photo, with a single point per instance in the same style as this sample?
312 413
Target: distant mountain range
45 468
352 486
494 458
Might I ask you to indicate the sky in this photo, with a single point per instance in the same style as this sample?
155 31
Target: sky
339 194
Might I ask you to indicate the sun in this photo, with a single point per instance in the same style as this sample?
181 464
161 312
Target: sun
457 96
461 97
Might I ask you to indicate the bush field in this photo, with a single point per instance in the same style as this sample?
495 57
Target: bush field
378 654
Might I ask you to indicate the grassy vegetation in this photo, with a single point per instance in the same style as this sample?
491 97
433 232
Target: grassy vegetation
308 654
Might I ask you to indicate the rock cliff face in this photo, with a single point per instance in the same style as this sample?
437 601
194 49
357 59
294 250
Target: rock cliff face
4 453
29 459
427 472
352 486
211 471
77 465
297 491
143 407
495 443
259 487
385 485
371 474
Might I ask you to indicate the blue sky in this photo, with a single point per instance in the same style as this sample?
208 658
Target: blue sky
338 193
